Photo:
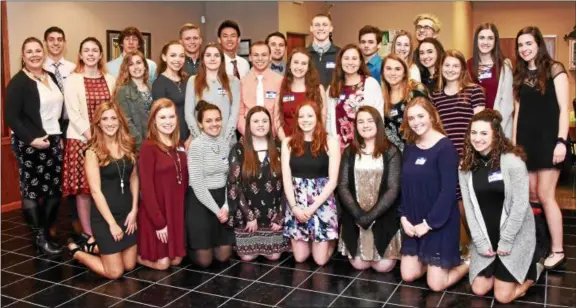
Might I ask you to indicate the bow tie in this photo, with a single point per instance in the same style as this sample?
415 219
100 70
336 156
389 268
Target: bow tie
275 67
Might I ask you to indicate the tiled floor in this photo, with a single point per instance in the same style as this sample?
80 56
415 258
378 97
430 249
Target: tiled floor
29 280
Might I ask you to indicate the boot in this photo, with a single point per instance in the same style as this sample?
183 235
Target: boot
51 206
30 211
44 246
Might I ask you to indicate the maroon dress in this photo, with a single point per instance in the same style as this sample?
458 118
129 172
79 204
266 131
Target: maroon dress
161 202
290 104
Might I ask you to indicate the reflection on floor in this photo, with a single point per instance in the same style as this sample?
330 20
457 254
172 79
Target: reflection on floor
30 280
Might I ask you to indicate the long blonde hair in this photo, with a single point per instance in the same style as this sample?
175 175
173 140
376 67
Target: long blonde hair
125 140
410 57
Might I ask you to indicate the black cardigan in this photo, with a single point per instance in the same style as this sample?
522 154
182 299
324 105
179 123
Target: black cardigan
384 212
23 107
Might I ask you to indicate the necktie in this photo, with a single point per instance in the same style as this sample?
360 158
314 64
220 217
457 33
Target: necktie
236 73
61 86
260 91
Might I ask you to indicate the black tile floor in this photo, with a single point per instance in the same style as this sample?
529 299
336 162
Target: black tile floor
31 280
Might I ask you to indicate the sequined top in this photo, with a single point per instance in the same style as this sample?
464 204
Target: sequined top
368 175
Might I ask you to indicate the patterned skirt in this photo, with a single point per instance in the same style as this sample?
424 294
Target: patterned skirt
367 250
262 242
323 225
74 180
40 170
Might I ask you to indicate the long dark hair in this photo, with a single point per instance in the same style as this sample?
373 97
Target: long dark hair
543 61
338 77
500 144
381 143
439 60
251 163
496 53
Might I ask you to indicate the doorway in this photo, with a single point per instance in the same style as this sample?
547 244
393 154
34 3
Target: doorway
295 40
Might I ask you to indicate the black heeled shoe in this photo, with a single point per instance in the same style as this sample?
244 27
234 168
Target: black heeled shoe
559 263
44 246
90 247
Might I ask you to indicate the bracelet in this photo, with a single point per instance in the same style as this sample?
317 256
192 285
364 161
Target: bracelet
561 140
426 224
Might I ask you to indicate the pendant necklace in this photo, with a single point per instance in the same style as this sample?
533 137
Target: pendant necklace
178 168
121 175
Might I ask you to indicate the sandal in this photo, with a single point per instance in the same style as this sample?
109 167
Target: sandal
558 263
90 247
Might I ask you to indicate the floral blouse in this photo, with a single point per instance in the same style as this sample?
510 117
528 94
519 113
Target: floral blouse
393 120
350 100
260 198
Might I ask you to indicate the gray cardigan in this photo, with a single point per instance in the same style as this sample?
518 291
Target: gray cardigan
517 227
504 101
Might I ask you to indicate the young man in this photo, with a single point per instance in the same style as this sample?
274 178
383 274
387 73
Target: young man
426 25
229 39
260 87
130 40
191 39
277 43
322 50
370 39
55 42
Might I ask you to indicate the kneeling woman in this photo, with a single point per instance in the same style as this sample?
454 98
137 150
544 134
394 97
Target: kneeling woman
164 179
255 192
113 182
429 212
310 162
369 186
207 223
494 184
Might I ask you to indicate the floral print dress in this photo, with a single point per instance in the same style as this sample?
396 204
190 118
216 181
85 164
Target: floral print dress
350 100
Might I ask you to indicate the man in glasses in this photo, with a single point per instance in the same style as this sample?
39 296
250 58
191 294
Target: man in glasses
426 25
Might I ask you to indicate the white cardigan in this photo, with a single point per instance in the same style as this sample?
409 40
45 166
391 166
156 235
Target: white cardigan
372 97
76 105
504 101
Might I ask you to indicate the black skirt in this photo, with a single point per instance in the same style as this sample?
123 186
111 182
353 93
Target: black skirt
203 230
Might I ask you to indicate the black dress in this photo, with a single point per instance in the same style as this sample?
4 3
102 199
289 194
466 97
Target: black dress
489 189
538 116
120 204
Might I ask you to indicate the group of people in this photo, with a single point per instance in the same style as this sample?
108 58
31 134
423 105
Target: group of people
415 157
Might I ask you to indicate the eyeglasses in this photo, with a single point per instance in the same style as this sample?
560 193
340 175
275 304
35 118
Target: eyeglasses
425 28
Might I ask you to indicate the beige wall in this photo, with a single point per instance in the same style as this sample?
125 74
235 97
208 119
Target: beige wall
82 19
553 18
297 17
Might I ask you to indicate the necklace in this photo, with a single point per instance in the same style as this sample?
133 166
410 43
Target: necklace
39 78
121 175
217 151
486 162
178 168
176 83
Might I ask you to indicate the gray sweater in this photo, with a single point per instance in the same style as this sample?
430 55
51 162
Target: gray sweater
517 227
214 95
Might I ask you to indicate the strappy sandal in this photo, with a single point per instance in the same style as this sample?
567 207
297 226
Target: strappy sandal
558 263
79 247
90 247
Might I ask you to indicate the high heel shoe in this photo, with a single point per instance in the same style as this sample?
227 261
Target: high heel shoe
90 247
559 263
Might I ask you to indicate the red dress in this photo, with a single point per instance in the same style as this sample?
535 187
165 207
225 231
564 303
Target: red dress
290 103
161 202
74 180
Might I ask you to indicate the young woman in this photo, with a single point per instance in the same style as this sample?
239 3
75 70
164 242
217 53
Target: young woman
34 106
542 96
300 84
171 83
494 183
133 94
458 98
164 179
429 59
351 87
429 212
368 187
310 162
113 181
84 90
488 68
255 192
403 48
208 228
215 86
397 90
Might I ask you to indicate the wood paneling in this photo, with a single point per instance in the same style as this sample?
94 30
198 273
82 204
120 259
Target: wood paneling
10 184
295 40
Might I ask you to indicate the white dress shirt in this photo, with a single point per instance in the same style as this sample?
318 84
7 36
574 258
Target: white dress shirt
241 63
51 102
66 67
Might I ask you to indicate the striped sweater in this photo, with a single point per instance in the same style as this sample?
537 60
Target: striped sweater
208 167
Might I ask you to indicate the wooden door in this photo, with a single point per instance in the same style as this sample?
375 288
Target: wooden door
508 46
10 184
295 40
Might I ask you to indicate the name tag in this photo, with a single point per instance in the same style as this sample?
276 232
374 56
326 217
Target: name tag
288 98
330 65
485 75
394 112
221 91
495 176
270 94
180 149
420 161
342 96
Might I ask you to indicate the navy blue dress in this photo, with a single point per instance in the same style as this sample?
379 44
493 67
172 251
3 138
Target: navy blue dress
429 180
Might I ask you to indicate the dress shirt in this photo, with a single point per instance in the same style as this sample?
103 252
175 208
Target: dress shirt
241 63
248 88
66 67
375 67
51 102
